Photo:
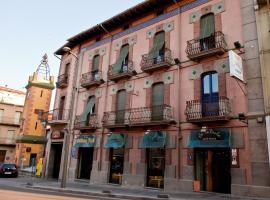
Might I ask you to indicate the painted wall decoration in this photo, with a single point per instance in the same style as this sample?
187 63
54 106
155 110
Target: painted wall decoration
101 51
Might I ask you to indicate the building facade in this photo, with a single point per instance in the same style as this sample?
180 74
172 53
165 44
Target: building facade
32 138
11 107
149 98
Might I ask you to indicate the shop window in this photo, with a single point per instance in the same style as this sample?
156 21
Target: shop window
117 165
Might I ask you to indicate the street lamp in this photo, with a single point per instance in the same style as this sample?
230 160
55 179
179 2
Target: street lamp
69 129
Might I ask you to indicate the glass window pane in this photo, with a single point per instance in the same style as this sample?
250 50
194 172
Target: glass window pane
206 86
214 83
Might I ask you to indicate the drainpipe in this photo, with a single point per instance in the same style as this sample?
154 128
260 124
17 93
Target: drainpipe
179 139
106 97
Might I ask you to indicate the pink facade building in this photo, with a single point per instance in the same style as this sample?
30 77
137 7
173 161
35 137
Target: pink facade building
146 99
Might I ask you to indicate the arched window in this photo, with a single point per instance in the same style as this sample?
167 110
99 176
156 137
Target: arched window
210 96
207 31
120 106
157 101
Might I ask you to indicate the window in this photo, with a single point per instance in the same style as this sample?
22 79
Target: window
88 110
121 64
157 101
210 96
1 114
10 136
17 117
41 93
67 68
95 67
120 106
207 31
158 49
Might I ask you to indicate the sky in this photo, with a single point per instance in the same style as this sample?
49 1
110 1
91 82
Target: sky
31 28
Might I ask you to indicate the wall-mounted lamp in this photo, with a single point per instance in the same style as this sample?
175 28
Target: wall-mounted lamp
68 50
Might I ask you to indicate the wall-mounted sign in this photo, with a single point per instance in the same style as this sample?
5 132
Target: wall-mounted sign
210 134
236 65
57 135
235 157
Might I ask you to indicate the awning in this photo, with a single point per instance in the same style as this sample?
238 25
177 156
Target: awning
85 141
31 139
211 138
116 141
154 139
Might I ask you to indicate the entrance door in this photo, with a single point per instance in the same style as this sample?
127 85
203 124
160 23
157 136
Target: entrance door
85 162
55 159
212 169
32 160
117 165
2 156
155 167
157 101
210 98
120 107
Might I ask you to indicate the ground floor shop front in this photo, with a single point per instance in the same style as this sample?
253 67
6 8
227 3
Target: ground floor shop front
201 160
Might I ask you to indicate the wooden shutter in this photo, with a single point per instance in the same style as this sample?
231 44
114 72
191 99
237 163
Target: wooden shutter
207 26
157 101
95 63
120 106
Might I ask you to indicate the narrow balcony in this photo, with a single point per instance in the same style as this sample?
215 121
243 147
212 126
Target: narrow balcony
90 79
10 121
90 124
59 116
205 47
206 111
7 141
135 117
62 81
163 61
126 71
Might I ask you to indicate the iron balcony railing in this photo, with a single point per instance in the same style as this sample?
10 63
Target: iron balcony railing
199 48
57 115
155 115
163 60
91 123
199 111
126 71
91 78
62 81
10 121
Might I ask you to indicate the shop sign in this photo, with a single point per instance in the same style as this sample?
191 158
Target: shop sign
210 134
236 65
57 135
85 141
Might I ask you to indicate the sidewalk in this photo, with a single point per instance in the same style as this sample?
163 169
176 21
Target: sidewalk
115 191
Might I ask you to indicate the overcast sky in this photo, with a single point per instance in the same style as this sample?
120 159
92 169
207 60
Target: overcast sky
31 28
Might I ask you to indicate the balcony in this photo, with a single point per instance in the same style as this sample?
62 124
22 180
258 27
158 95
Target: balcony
135 117
201 48
198 111
90 79
91 124
127 71
8 141
59 116
62 81
10 121
163 61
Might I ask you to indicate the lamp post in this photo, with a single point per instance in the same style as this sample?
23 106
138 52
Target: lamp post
68 130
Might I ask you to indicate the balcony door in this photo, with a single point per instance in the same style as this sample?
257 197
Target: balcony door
95 66
90 108
120 107
157 101
61 108
210 97
207 32
158 50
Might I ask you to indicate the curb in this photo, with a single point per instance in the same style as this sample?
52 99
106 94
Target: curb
106 194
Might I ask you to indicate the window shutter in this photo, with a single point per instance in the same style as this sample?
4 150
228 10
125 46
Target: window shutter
120 106
95 63
159 42
88 109
207 26
158 94
116 68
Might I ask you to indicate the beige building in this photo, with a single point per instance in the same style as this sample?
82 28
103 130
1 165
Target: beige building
11 107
